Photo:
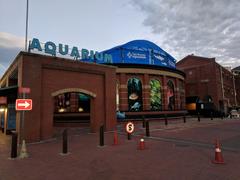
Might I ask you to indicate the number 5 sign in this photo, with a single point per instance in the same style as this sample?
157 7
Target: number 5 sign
129 127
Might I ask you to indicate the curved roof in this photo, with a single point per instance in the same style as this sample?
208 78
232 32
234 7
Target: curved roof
141 52
236 68
139 45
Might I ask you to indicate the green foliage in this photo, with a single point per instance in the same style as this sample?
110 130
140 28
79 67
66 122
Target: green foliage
155 95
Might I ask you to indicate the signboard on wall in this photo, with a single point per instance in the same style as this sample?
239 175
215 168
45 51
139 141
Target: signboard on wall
23 104
134 52
141 52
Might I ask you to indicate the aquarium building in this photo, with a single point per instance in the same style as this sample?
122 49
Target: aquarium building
76 87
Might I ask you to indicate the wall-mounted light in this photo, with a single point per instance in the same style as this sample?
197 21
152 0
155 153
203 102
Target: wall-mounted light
2 109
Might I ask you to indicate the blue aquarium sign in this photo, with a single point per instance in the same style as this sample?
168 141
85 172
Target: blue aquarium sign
141 52
83 54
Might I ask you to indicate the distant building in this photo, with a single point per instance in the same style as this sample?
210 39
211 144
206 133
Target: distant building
209 84
236 72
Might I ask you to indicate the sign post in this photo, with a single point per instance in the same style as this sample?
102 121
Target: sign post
129 129
23 105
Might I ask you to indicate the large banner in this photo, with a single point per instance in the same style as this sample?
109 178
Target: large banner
141 52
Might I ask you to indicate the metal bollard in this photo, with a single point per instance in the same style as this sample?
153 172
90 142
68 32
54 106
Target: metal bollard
211 115
101 135
198 117
184 119
166 120
143 122
147 129
129 136
65 142
14 145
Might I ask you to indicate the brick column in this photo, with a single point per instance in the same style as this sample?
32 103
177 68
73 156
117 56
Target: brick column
145 92
182 95
164 94
177 95
73 102
123 93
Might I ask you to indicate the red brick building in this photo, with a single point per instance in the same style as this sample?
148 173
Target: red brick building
73 93
210 82
162 76
48 78
236 72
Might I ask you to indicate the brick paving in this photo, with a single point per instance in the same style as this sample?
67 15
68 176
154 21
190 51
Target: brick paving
161 160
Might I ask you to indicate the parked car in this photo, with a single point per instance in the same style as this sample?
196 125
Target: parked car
120 115
234 113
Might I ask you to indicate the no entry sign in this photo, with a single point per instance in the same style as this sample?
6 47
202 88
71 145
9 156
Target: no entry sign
129 127
23 104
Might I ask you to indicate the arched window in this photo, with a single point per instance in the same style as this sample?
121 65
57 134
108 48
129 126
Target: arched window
80 103
83 103
155 95
170 95
62 102
134 94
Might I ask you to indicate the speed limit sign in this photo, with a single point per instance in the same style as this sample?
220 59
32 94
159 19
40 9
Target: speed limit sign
129 127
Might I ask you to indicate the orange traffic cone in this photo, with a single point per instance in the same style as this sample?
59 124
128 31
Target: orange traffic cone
218 154
115 138
141 144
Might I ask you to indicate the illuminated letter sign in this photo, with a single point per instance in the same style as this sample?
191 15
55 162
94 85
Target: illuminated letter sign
86 55
35 44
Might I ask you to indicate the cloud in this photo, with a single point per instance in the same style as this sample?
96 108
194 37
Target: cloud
10 45
8 40
204 27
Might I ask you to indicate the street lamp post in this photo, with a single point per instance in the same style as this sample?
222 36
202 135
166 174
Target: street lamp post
26 33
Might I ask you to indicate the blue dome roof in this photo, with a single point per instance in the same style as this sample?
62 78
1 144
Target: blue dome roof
141 52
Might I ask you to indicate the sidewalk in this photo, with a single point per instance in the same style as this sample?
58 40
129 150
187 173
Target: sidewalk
161 160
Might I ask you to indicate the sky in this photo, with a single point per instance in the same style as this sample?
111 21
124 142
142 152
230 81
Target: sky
208 28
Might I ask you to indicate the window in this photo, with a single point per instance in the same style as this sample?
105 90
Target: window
134 95
62 102
72 102
155 95
83 103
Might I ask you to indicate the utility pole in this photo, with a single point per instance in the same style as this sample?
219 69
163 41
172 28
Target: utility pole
26 33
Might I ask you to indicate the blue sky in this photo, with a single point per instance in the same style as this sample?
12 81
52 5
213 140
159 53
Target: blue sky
205 27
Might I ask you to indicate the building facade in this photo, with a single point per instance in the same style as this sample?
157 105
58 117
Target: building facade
209 82
236 72
90 91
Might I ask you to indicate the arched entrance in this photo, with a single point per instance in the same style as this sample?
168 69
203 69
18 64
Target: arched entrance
72 107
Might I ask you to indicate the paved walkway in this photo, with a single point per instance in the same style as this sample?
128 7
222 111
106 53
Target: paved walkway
171 154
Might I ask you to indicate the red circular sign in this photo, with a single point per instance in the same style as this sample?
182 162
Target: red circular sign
129 127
